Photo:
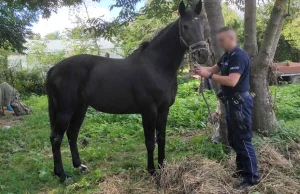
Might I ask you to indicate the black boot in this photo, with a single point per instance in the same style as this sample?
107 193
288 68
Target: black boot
237 174
243 185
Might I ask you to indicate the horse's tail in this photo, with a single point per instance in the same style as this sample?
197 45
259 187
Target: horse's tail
51 100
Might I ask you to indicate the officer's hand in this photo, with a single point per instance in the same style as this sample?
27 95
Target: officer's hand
202 72
195 71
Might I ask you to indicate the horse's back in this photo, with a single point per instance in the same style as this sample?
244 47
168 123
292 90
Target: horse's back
104 83
75 70
76 65
118 86
112 87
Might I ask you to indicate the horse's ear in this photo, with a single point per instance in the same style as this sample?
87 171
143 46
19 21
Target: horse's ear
181 8
198 7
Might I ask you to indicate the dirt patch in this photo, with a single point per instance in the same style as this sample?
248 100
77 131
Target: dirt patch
203 176
10 119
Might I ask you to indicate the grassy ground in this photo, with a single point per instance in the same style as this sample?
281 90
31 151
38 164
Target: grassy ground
113 145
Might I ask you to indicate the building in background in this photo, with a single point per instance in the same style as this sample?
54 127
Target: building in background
21 61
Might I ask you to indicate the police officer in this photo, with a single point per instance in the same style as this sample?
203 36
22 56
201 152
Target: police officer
234 81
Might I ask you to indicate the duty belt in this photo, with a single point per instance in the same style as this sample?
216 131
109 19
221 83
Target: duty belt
232 97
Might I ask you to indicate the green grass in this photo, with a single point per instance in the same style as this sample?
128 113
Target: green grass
115 145
116 142
287 102
287 108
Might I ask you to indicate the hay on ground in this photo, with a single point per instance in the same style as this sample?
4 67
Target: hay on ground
204 176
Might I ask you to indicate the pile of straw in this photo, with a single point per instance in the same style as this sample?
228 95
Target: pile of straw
195 176
137 182
204 176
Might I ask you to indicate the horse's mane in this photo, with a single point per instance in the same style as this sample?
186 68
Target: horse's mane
146 43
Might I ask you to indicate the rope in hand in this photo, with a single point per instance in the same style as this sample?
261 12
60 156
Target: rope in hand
201 92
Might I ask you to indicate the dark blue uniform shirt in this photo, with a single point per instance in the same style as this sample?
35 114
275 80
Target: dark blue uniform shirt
236 61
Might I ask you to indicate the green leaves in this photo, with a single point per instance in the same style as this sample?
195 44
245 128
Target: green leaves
141 29
292 32
159 10
17 16
14 26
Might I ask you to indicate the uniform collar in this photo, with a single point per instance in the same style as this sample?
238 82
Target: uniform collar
232 52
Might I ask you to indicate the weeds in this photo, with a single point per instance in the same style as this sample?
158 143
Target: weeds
113 145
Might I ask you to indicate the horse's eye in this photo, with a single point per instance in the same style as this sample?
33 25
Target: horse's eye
185 27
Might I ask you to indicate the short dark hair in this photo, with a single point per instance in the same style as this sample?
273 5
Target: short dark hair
226 29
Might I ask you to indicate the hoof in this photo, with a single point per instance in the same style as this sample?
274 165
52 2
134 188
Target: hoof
83 169
64 178
152 171
162 166
61 175
68 181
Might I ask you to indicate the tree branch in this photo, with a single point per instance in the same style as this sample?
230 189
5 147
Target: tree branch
250 42
276 39
265 51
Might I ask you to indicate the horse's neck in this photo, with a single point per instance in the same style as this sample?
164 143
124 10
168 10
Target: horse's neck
166 52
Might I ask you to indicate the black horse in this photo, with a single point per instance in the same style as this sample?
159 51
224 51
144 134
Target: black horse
144 83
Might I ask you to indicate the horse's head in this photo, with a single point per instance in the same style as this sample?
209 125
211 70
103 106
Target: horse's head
191 32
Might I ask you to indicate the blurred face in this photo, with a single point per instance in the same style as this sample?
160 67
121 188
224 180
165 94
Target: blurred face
227 40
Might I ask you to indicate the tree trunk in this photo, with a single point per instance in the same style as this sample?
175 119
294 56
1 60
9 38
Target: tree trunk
272 73
250 40
264 119
277 37
216 21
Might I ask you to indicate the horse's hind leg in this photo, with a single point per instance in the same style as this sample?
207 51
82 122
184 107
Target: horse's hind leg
72 134
60 127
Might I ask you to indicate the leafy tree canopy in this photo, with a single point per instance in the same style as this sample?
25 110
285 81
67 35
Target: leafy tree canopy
53 36
143 27
138 31
289 43
14 25
44 7
17 16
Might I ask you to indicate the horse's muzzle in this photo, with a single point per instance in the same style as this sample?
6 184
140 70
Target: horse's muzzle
200 55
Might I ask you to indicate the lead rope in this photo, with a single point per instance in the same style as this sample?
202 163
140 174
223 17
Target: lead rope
201 93
213 122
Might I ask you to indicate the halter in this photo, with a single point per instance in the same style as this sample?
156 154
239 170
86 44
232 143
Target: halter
193 47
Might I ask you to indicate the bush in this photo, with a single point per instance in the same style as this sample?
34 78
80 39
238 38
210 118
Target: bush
29 82
190 109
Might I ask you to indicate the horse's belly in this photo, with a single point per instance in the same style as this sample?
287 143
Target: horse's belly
115 109
114 102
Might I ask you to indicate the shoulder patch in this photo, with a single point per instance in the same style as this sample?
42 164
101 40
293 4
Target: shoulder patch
232 68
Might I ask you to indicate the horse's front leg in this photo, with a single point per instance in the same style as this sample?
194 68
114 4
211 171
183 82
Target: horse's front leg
149 122
162 116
